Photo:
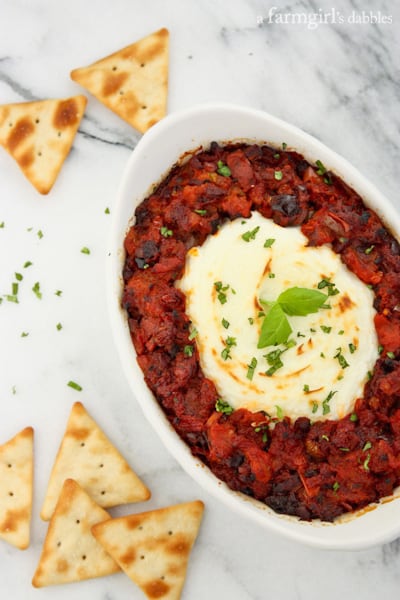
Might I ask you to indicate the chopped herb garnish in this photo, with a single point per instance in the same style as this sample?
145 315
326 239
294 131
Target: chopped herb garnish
366 462
341 332
74 386
278 175
314 407
18 277
201 212
326 329
28 264
251 368
223 169
380 349
390 354
193 333
306 388
353 417
14 288
268 242
367 446
352 348
36 290
277 155
369 250
11 298
341 359
221 289
279 412
188 350
250 235
59 326
2 224
223 407
107 211
322 355
225 323
336 486
325 437
251 320
40 234
58 293
284 145
24 334
345 449
271 275
322 170
332 289
226 352
274 359
85 250
325 404
165 232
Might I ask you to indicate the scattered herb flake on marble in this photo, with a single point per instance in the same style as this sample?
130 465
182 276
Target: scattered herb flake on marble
85 250
36 290
2 225
40 234
59 326
58 293
107 211
28 264
74 386
24 334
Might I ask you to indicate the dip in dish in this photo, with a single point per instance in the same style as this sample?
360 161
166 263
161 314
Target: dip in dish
254 283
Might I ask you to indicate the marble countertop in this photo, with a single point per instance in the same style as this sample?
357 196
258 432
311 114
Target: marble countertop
336 76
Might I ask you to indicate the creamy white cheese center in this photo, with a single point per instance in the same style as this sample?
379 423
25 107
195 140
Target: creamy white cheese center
332 351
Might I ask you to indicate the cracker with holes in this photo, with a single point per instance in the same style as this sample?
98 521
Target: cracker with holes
88 456
153 548
16 480
70 552
39 136
132 82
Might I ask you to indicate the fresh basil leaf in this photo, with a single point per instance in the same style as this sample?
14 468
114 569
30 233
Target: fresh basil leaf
275 328
301 301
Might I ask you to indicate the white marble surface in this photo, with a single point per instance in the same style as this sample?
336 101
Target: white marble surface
338 81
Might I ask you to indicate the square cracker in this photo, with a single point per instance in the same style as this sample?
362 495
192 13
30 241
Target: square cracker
39 136
88 456
16 483
70 552
132 82
153 548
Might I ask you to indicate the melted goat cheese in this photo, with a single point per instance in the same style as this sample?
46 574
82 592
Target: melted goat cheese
333 350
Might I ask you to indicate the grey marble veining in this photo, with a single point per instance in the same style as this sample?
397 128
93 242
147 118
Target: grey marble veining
338 81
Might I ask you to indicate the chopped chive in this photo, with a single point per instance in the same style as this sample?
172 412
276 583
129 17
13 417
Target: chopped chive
306 388
11 298
325 437
271 275
326 329
268 242
352 348
74 386
353 417
369 250
223 169
366 462
193 333
341 332
85 250
251 368
277 155
284 145
24 334
165 232
278 175
188 350
18 277
250 235
336 486
279 412
201 212
107 211
36 290
28 264
223 407
314 407
40 234
390 354
341 359
14 289
325 404
367 446
250 320
59 326
225 323
58 293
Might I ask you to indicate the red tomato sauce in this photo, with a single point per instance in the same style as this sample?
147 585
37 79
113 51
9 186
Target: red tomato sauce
311 469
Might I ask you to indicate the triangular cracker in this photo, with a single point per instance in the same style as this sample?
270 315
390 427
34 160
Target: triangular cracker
87 455
16 480
132 82
39 135
70 552
153 548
